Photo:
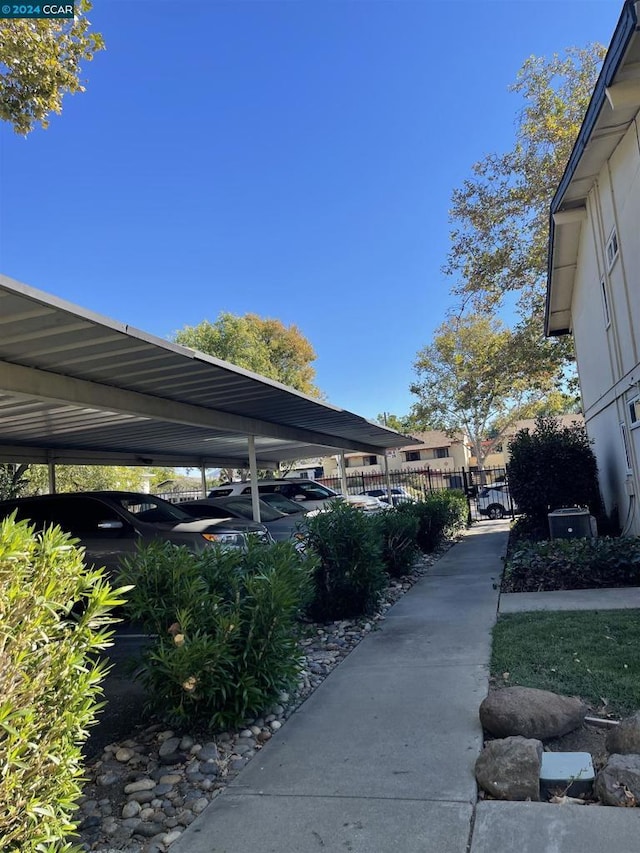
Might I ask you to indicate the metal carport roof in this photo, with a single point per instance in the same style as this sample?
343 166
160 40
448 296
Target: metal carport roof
79 388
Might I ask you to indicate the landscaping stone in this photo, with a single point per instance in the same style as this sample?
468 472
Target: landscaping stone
152 818
618 783
509 769
625 738
530 713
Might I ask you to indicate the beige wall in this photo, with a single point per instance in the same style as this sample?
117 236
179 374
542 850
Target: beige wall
458 458
607 354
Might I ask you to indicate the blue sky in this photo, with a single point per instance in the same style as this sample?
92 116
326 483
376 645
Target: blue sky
293 159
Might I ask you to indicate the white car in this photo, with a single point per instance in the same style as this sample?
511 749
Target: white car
399 495
307 493
495 501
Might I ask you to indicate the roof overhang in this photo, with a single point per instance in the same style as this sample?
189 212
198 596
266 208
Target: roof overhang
613 107
79 388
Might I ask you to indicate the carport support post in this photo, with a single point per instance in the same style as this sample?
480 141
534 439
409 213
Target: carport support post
387 478
343 474
52 478
203 480
253 473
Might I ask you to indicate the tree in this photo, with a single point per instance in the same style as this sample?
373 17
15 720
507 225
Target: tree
401 423
479 377
264 346
13 480
501 213
40 63
83 478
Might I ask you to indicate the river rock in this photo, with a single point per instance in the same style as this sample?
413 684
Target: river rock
618 783
625 738
509 769
530 713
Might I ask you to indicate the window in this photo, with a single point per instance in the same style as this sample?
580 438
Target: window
634 410
412 455
441 453
75 515
370 460
605 303
612 249
625 442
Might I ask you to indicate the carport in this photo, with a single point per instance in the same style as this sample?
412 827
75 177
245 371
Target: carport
79 388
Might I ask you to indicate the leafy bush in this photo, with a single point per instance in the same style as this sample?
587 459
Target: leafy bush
399 535
349 577
552 467
524 530
226 626
54 618
439 515
573 564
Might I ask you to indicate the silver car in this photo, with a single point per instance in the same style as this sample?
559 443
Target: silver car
282 526
110 524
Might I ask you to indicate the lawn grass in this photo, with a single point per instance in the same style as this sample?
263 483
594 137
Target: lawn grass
592 654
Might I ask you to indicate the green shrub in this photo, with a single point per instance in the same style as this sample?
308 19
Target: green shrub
349 577
573 564
226 626
54 617
552 467
439 515
399 534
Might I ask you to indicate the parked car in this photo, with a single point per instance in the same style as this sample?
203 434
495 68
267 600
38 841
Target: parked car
306 493
278 501
109 524
281 526
494 501
398 495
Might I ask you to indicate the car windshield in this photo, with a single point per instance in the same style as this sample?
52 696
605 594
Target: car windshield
243 507
278 501
151 509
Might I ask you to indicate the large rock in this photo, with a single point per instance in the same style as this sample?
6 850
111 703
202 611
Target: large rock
530 713
618 783
509 769
625 738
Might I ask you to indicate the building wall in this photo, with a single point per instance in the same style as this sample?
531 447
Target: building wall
457 457
606 326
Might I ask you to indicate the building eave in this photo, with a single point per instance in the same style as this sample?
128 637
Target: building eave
613 107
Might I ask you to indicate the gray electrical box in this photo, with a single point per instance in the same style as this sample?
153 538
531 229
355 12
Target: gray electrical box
572 522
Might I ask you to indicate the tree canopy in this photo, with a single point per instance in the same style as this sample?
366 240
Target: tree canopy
501 214
40 62
479 377
265 346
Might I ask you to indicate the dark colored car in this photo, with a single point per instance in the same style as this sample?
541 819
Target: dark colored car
281 526
109 524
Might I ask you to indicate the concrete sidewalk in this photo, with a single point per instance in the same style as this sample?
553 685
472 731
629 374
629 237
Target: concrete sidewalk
380 758
625 598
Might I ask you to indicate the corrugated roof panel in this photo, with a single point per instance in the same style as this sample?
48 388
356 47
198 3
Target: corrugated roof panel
159 398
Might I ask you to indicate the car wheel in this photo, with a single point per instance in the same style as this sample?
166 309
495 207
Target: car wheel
496 511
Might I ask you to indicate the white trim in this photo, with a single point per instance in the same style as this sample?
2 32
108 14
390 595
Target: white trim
612 249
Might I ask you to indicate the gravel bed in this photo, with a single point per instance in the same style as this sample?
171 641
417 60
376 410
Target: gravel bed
142 792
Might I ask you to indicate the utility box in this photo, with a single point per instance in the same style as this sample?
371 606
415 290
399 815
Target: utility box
572 522
569 773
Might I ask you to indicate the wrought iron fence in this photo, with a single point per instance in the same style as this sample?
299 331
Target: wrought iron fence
487 492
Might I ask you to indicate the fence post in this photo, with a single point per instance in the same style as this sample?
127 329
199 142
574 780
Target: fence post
429 478
465 483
